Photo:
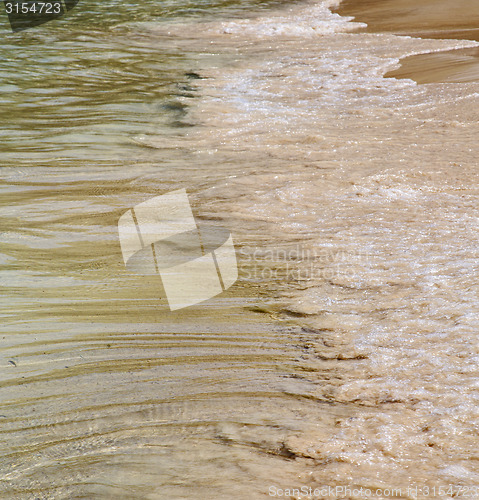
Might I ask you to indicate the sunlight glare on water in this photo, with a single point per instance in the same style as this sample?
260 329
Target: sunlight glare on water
346 352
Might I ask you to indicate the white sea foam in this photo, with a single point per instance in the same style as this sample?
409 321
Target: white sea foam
297 21
336 157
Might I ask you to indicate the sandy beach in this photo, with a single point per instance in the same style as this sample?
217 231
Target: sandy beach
426 19
441 20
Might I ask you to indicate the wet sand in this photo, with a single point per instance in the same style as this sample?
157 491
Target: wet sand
425 19
452 66
428 19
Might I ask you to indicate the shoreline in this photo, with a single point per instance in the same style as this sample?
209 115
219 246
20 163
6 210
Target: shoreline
430 21
450 66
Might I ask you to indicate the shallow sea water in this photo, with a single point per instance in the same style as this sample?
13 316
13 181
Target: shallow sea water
345 354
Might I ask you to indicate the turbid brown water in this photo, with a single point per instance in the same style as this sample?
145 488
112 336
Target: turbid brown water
346 353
